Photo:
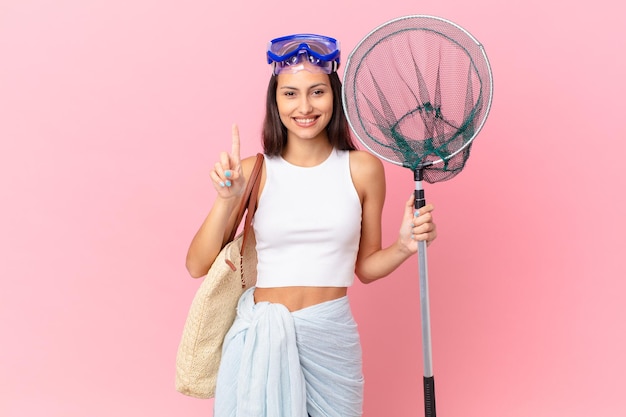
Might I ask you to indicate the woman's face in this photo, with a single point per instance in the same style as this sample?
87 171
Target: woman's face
305 103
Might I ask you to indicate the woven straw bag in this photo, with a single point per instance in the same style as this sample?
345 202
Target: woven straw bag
214 305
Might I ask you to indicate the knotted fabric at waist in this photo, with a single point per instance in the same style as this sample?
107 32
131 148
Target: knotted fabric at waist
287 364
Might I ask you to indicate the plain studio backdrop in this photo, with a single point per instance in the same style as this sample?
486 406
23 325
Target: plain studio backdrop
113 112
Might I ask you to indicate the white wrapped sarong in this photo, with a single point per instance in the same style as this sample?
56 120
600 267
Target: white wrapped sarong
281 364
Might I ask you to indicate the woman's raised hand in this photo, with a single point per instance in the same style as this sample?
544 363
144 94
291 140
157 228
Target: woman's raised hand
227 175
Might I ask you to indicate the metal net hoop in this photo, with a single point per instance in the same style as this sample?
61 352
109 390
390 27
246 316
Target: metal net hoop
416 92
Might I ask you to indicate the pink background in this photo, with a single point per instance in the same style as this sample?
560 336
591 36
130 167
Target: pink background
112 112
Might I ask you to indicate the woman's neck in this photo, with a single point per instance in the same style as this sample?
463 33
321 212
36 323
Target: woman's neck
307 153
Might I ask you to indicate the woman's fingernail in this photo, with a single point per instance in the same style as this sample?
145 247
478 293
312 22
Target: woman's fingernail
228 183
222 184
228 174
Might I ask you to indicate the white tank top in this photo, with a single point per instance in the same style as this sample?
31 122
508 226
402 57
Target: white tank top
307 224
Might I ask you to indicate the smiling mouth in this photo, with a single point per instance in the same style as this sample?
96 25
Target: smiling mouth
305 121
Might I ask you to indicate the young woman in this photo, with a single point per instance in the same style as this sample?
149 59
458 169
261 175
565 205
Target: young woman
294 349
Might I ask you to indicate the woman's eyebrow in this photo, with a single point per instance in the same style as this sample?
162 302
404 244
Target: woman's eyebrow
322 84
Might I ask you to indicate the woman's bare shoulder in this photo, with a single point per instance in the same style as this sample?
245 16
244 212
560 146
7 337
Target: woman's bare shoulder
247 164
368 176
365 165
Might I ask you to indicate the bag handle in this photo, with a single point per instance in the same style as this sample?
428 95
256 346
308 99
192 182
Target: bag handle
249 199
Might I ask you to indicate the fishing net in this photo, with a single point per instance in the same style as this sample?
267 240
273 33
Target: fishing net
416 92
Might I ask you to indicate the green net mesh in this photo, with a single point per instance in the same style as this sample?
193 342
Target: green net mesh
416 91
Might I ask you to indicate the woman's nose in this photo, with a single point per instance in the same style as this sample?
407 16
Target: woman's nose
305 106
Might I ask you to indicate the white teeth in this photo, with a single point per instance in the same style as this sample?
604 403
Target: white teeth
304 120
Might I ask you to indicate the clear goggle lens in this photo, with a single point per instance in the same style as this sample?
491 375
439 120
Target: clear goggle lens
304 61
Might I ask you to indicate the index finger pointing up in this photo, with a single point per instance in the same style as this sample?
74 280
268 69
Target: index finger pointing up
235 150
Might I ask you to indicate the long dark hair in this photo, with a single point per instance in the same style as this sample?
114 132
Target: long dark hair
275 133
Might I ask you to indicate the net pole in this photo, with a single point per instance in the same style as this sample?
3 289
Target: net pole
429 379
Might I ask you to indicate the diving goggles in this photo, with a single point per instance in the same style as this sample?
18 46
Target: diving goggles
290 53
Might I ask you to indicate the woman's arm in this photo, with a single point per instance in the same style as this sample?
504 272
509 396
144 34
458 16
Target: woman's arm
211 236
373 261
217 226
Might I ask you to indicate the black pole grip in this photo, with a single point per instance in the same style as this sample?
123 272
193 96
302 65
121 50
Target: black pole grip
420 200
429 396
